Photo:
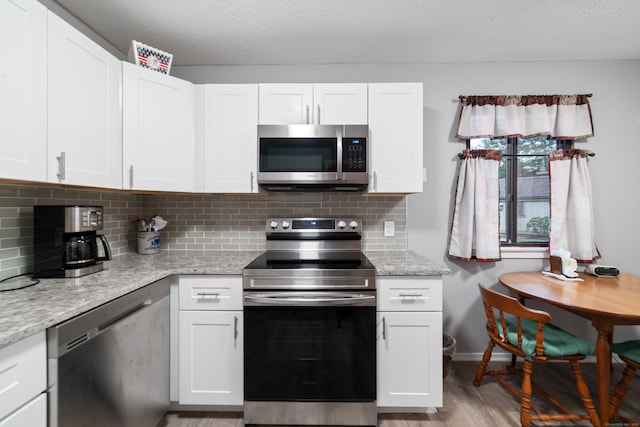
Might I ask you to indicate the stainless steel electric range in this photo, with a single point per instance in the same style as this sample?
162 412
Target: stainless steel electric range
310 326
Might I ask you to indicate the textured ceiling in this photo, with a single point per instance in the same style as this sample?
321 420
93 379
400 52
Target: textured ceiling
235 32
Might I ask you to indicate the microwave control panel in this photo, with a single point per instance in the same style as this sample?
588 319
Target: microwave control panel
354 154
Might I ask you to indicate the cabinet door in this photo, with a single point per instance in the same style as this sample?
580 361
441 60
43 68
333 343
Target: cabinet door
395 137
230 119
409 359
158 131
23 372
33 414
211 358
340 104
23 89
84 120
284 104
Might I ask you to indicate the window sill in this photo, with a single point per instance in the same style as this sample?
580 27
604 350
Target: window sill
514 252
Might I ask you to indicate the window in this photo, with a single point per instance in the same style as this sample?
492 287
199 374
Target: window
524 187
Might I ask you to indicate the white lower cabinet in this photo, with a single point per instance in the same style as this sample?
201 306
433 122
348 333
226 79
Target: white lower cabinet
23 381
33 414
210 368
409 343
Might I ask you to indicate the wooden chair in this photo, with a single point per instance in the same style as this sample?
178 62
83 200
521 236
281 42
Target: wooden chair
530 336
629 352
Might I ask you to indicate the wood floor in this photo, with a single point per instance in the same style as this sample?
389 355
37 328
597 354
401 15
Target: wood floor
465 405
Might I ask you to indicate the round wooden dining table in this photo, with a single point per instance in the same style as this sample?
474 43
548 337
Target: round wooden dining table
605 301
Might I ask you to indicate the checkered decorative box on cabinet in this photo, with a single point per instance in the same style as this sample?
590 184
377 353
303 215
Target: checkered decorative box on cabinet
150 57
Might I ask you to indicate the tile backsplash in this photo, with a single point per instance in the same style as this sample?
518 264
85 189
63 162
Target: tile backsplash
16 220
196 221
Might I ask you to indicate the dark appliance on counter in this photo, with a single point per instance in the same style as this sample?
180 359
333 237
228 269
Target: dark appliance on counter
65 242
312 157
310 326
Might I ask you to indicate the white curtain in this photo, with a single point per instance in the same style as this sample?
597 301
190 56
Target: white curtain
572 226
559 116
475 229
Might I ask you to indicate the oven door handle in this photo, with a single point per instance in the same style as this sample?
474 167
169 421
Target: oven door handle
309 299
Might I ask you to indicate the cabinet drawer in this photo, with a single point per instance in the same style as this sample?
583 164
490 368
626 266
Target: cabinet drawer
410 294
211 293
23 372
33 414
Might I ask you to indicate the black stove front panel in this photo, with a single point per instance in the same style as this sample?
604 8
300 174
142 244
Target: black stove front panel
312 354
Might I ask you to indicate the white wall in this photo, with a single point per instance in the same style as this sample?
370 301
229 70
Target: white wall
616 116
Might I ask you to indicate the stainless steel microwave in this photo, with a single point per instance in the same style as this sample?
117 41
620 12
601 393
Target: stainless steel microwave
313 157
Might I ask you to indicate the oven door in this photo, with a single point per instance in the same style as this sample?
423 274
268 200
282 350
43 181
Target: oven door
310 347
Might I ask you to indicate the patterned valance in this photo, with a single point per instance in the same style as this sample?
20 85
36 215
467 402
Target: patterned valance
559 116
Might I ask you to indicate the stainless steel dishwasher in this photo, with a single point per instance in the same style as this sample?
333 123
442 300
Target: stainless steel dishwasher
110 366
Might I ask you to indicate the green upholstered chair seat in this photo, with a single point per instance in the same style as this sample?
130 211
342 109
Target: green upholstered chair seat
628 349
557 342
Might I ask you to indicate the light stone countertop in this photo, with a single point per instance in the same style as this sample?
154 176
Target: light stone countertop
27 311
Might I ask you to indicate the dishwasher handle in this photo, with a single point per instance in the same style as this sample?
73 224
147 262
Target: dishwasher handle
112 322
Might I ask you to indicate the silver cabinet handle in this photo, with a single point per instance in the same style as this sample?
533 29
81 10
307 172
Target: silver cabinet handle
235 327
384 328
251 180
131 176
62 167
208 294
318 116
307 114
416 295
375 181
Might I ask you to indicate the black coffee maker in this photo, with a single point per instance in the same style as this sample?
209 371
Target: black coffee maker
65 242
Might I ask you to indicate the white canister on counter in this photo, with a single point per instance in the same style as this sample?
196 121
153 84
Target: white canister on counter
148 242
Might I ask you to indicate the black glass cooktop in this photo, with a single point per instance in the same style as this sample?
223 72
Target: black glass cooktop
273 260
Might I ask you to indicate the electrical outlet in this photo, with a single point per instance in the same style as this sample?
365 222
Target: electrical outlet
389 229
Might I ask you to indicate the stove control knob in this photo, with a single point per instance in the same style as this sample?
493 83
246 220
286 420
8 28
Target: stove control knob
273 225
341 224
353 224
285 224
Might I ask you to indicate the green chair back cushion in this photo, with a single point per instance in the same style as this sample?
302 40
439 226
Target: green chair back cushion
557 342
628 349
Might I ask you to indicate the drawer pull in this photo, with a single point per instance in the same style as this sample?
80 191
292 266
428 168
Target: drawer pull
235 327
208 294
384 328
410 295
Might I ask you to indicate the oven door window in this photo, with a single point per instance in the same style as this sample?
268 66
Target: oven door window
310 354
298 155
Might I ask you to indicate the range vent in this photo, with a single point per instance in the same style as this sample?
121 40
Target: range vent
77 341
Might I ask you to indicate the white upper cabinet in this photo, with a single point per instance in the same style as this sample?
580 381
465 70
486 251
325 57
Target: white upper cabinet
23 89
158 131
339 103
84 121
395 137
228 137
